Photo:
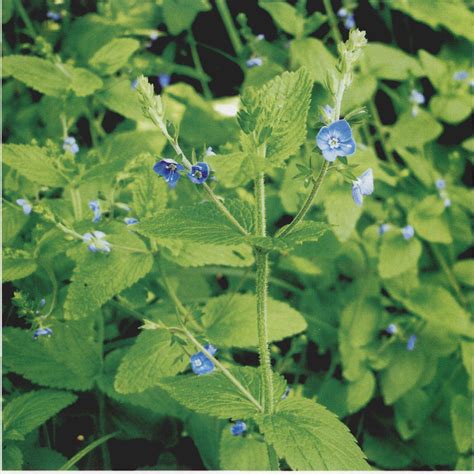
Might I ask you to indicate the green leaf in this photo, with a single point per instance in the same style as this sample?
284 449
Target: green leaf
411 131
311 438
69 359
83 82
114 55
305 231
388 453
397 255
17 268
43 459
201 223
13 221
8 7
33 163
314 56
461 406
453 15
451 109
463 270
387 62
180 14
153 356
12 457
26 412
233 169
419 165
99 276
231 320
402 374
285 16
283 105
215 395
238 453
428 217
435 68
411 412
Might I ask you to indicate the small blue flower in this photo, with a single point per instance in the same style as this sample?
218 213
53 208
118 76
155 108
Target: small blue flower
26 205
383 229
210 151
260 37
363 186
336 140
130 220
199 173
42 302
460 75
94 206
238 428
392 329
134 84
55 16
200 364
342 13
408 232
169 169
42 332
70 145
164 80
447 202
96 241
154 35
411 342
349 22
417 97
254 62
286 393
440 183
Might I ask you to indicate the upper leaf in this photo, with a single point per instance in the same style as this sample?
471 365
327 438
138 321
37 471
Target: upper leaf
26 412
114 55
311 438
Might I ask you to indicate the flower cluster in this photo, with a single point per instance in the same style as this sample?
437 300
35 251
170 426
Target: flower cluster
200 363
54 16
170 171
416 99
238 428
96 241
94 206
70 145
26 206
441 187
349 21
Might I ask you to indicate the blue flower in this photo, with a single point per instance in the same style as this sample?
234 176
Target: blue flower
460 75
336 140
154 35
26 205
134 84
260 37
210 151
94 206
411 342
392 329
383 228
363 186
164 80
417 97
200 364
440 183
286 393
254 62
96 241
42 332
55 16
349 22
342 13
169 169
130 220
42 302
70 145
238 428
199 173
408 232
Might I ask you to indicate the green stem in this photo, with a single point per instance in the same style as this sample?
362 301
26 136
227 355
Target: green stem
332 21
107 465
76 203
77 457
197 62
229 25
26 19
261 261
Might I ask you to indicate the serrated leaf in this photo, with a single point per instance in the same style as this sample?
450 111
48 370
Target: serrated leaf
397 255
215 395
98 276
282 104
231 320
83 82
12 458
114 55
68 359
43 459
33 163
17 268
311 438
180 14
305 231
26 412
152 357
461 406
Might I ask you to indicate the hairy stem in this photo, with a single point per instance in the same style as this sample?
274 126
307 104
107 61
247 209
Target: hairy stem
197 62
229 25
261 260
332 21
76 203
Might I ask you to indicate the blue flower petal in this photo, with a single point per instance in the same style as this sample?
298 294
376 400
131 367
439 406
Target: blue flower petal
357 194
348 147
330 155
322 138
238 428
366 182
200 364
341 129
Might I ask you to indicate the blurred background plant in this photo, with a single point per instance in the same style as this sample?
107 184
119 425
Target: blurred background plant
373 321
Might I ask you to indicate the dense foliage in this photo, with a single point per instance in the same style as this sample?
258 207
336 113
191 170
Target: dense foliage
163 159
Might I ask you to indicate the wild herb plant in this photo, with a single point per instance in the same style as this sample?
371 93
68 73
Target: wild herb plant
120 242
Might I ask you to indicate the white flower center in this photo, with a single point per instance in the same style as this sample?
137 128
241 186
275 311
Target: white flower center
333 143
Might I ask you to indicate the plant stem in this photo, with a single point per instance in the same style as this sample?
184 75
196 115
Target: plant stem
76 203
261 260
26 19
197 62
332 21
229 25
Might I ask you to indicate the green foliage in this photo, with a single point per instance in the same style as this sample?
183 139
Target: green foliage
310 437
26 412
114 55
180 14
